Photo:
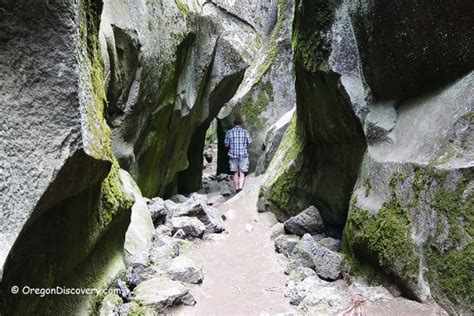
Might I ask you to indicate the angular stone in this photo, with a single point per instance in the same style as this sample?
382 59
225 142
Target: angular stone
301 273
297 291
185 270
123 289
215 198
197 207
286 243
180 234
178 198
192 227
158 210
137 273
308 221
139 234
277 230
163 250
311 254
331 243
110 305
161 293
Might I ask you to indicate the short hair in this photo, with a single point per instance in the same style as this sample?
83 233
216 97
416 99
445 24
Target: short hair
237 121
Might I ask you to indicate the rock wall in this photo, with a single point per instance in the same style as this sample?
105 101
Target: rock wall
63 211
382 137
266 93
215 57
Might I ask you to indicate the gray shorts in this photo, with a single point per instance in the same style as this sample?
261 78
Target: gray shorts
239 164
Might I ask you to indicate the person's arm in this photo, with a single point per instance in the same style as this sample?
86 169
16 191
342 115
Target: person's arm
226 140
249 140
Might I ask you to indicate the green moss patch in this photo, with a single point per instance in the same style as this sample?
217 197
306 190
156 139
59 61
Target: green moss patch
384 238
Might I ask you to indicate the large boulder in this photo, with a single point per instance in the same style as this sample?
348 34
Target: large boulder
191 226
411 210
382 138
160 293
308 221
139 235
185 270
63 209
309 253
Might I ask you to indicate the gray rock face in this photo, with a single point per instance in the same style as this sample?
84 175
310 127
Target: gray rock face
308 221
159 210
215 198
196 206
139 234
185 270
178 198
163 250
277 230
137 273
54 156
110 305
286 243
309 253
297 291
265 94
331 243
161 293
191 226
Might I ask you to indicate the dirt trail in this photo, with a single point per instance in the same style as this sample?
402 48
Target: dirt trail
243 275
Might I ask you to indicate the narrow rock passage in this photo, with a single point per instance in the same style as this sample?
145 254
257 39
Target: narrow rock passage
243 275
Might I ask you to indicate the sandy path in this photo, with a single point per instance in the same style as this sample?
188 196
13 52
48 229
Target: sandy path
243 275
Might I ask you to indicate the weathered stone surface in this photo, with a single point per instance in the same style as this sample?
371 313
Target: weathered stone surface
277 230
133 308
160 210
266 92
330 243
124 291
178 198
163 250
297 291
215 198
62 207
301 273
139 234
161 293
411 45
196 206
286 243
192 227
308 221
185 270
273 137
110 305
309 253
137 273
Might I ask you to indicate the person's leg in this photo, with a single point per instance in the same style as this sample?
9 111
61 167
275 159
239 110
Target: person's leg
236 180
241 179
233 164
243 168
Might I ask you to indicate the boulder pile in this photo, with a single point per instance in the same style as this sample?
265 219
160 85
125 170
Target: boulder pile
158 277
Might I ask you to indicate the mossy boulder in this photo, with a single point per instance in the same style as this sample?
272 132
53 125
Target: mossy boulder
68 223
412 208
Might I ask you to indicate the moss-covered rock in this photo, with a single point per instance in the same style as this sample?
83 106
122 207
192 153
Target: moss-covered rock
332 134
74 231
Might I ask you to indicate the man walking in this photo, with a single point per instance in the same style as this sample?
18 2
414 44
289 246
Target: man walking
238 139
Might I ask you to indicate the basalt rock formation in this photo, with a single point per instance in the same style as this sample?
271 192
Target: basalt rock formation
362 109
382 140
